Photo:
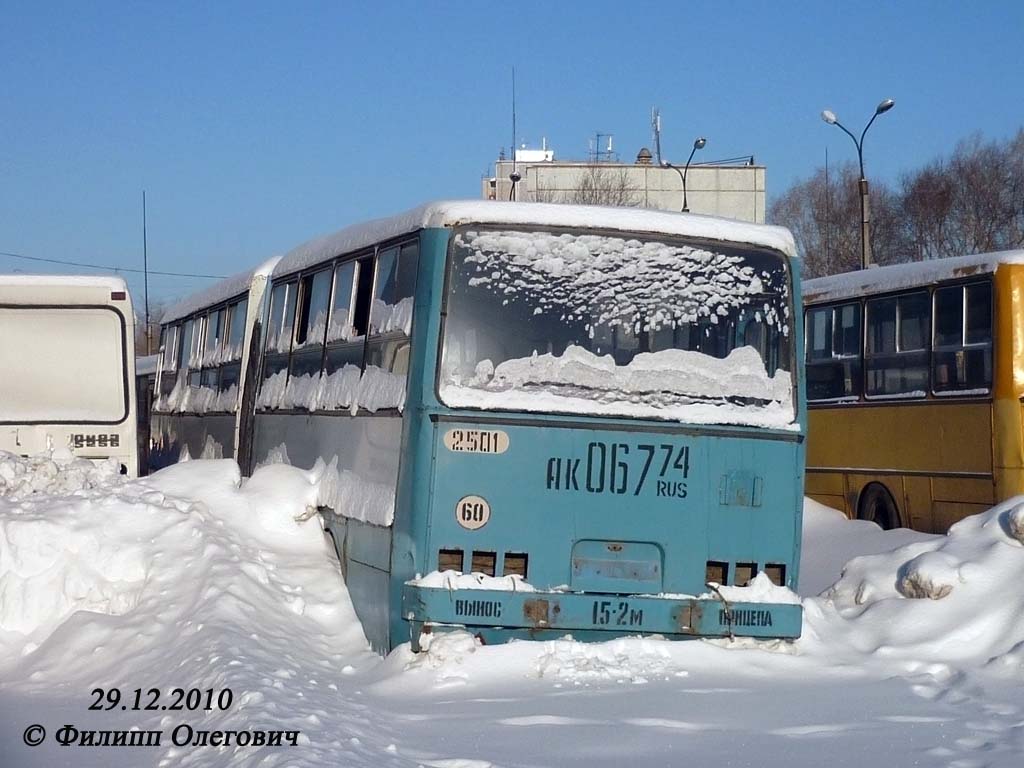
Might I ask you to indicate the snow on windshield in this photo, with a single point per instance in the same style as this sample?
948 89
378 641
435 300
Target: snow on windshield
615 325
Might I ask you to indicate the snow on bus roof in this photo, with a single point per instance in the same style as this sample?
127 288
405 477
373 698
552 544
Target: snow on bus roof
896 277
219 292
446 213
76 281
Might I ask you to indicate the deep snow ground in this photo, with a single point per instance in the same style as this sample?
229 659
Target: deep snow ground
191 579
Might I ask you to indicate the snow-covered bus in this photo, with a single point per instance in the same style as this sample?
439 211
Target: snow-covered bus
209 349
67 368
534 420
915 389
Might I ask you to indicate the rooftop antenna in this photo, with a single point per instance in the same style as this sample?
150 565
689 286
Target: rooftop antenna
514 177
145 277
598 155
656 128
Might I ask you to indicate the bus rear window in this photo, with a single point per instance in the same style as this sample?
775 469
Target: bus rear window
62 364
573 322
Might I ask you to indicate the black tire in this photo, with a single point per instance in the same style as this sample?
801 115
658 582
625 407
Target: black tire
876 505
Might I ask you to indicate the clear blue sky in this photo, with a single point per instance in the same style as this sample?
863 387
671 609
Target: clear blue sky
254 127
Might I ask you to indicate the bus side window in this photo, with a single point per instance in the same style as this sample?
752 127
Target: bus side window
168 358
963 339
195 354
833 352
311 328
231 354
898 345
391 312
212 348
280 328
346 330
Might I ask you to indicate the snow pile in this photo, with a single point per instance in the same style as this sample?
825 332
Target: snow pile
760 590
116 551
831 540
457 580
669 384
954 599
53 472
347 493
624 660
188 578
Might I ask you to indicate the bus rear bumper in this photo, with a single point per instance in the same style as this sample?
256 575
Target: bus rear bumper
504 615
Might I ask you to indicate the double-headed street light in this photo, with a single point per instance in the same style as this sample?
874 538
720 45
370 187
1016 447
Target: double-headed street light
865 211
698 144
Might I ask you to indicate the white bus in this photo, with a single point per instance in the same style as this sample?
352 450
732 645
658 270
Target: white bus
67 367
209 347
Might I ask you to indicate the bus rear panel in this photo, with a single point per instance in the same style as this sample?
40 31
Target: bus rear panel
576 444
67 355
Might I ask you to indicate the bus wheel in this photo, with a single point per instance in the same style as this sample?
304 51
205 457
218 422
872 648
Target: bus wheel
877 506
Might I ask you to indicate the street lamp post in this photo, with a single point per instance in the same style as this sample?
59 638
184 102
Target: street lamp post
698 144
865 210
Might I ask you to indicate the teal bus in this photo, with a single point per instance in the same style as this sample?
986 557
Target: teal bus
533 420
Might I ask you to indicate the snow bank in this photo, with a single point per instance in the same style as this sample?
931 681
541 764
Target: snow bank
53 472
954 598
457 580
831 540
191 578
120 550
760 590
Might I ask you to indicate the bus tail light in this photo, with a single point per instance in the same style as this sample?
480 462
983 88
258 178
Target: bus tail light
449 560
776 572
744 574
484 562
715 572
515 564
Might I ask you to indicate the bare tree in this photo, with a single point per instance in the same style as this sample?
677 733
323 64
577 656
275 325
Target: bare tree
972 202
600 185
824 216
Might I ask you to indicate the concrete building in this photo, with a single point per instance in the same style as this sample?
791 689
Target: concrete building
720 189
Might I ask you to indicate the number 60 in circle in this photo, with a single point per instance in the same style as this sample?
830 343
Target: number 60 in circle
472 512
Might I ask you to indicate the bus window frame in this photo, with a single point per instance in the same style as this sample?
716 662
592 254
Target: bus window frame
898 351
795 358
304 317
125 383
990 344
833 358
360 261
931 393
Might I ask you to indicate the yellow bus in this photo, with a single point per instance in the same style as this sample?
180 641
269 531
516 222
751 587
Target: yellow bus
915 380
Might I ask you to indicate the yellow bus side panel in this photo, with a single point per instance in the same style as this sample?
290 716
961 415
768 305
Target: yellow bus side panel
964 489
916 507
949 512
930 437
